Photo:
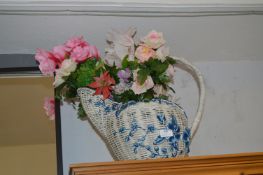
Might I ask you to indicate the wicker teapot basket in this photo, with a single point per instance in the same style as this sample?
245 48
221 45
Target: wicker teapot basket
143 130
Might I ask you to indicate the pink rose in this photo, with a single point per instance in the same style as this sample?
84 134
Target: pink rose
154 39
75 42
139 89
49 106
42 55
80 54
59 52
144 53
93 52
47 61
47 67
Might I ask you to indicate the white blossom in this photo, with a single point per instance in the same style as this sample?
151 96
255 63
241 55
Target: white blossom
120 45
162 53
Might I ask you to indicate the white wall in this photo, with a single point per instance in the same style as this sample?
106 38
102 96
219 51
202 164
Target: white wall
159 1
197 38
232 122
227 49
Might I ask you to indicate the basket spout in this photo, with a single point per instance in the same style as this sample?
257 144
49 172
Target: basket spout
98 110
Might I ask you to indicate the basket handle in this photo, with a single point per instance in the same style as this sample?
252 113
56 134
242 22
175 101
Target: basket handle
200 82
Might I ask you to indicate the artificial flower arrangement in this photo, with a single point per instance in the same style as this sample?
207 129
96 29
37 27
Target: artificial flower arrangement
131 70
127 95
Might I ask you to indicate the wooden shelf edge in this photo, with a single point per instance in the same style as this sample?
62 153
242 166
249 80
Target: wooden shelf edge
178 164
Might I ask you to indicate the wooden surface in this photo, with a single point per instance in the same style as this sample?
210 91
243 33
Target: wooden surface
229 164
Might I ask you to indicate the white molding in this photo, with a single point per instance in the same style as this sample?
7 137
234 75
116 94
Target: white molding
130 8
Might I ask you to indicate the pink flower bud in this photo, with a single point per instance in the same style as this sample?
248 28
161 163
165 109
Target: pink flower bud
49 106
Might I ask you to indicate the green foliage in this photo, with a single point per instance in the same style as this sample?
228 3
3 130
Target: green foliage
83 75
156 69
126 96
71 93
148 95
163 97
58 91
130 95
170 60
163 79
86 71
99 67
153 67
81 112
132 65
113 70
142 75
156 66
125 62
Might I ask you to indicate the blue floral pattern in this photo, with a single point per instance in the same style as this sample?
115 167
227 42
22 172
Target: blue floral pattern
161 146
156 149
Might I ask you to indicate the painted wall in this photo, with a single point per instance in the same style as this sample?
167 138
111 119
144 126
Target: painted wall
28 159
227 49
214 38
231 123
165 1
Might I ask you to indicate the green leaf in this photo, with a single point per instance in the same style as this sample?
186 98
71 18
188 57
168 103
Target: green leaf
164 79
157 66
81 112
113 71
83 75
99 65
133 65
155 79
142 75
130 64
163 97
125 62
58 91
125 96
71 93
170 60
148 95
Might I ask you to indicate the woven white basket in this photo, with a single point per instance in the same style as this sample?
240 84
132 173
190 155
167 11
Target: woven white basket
143 130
